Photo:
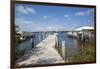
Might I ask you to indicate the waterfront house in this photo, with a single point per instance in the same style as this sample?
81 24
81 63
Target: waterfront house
85 32
25 35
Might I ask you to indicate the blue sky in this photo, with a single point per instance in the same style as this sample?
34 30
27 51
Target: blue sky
51 18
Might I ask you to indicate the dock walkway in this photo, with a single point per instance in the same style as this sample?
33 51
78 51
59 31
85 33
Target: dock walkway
43 53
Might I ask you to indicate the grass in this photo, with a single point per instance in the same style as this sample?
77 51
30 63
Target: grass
19 54
86 55
17 39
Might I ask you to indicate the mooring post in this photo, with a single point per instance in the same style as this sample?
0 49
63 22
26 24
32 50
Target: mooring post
32 41
63 49
82 37
39 38
44 35
56 41
90 35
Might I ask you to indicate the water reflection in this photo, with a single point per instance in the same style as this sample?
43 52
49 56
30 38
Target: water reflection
76 50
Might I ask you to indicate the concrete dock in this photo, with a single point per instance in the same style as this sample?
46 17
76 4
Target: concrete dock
42 53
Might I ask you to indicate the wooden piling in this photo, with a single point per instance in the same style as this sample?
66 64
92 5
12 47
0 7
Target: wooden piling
44 35
63 49
56 42
39 38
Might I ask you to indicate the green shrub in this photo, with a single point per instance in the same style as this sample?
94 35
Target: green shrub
19 54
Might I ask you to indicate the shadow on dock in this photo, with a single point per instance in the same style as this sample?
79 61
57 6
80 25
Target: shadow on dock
43 53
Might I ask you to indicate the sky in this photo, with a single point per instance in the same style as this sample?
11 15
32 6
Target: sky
34 18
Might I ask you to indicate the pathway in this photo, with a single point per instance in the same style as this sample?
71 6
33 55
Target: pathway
43 53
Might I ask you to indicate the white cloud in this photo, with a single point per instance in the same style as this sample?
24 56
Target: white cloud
55 19
66 15
54 28
89 21
83 13
90 11
80 14
25 10
26 25
45 17
21 9
31 10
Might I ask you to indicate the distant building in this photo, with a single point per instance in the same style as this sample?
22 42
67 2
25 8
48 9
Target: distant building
83 32
25 35
86 31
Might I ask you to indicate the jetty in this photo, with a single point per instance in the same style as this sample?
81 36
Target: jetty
43 53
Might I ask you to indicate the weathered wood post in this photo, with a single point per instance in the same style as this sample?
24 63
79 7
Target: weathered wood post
63 49
39 38
44 35
89 35
47 34
82 37
77 36
56 42
32 41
